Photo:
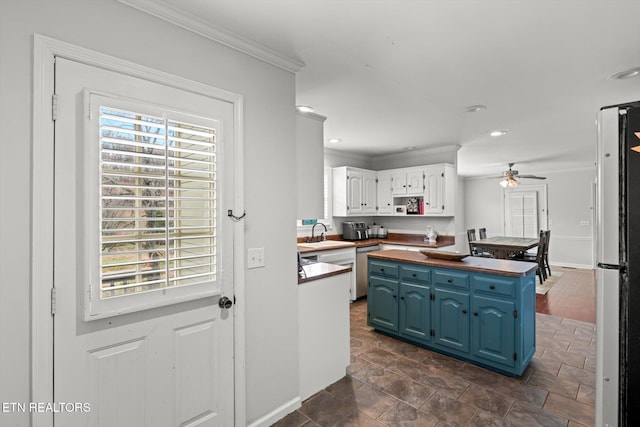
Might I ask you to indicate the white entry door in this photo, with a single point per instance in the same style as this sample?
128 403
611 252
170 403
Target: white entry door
143 253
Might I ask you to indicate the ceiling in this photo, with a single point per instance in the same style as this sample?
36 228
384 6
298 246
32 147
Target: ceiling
392 74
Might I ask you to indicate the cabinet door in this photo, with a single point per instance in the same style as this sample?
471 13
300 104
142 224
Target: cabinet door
493 328
399 184
382 303
384 200
355 200
451 319
434 190
415 311
369 193
415 183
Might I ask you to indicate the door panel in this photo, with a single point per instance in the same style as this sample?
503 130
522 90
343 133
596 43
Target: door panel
383 303
493 330
164 366
451 314
415 311
356 197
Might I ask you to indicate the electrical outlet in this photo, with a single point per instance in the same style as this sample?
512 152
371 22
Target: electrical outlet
255 257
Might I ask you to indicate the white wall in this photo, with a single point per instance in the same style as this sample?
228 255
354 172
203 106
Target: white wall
569 204
109 27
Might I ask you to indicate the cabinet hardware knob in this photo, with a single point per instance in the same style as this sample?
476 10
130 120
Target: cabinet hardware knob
464 311
395 296
475 313
402 298
492 286
449 280
414 274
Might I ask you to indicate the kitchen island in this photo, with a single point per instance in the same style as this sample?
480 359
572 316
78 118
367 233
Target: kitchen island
480 310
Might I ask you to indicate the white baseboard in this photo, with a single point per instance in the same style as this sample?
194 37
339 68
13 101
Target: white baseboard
571 265
278 413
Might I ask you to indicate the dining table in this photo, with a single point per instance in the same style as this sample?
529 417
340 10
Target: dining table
504 247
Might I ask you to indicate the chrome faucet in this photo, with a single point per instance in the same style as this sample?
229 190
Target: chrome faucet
322 236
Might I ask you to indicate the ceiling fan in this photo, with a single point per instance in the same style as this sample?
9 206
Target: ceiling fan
509 177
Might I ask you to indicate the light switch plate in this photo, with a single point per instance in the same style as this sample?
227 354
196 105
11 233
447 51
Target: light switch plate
255 257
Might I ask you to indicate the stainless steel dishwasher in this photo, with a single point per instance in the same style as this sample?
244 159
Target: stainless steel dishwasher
362 276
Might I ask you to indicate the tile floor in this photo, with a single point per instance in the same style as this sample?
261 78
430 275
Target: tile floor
392 383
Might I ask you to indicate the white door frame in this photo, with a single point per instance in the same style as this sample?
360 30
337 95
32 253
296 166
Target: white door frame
45 50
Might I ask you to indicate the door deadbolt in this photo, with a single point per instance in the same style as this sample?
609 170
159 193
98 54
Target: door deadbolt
225 303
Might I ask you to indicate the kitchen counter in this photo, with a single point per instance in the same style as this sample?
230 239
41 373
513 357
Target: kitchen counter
501 267
321 270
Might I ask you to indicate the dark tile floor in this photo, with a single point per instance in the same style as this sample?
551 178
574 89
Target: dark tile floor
392 383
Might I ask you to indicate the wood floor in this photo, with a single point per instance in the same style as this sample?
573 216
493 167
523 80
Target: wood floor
573 297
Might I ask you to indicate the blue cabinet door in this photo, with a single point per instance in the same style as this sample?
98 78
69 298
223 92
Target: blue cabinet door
415 311
382 303
493 327
451 319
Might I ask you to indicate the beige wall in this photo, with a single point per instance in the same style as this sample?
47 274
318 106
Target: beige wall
109 27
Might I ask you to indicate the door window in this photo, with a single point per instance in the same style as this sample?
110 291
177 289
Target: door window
156 194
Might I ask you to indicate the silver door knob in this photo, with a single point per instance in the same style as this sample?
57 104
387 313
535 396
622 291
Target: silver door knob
225 303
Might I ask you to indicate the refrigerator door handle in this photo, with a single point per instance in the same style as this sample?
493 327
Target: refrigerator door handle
620 267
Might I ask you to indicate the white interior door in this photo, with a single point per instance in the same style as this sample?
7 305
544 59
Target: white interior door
141 261
521 213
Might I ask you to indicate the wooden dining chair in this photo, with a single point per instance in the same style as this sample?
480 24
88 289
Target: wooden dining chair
539 257
471 236
482 232
545 256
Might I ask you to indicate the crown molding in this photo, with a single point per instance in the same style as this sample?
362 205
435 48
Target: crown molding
314 116
412 153
172 14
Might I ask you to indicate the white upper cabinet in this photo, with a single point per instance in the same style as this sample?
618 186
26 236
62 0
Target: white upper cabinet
384 201
439 194
364 192
310 165
407 182
354 191
369 191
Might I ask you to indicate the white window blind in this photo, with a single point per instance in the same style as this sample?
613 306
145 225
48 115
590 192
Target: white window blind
158 203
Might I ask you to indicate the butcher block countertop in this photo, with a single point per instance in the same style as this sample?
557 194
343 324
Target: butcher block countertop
501 267
320 270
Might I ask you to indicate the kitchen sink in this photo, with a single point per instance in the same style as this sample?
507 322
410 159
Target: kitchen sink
326 243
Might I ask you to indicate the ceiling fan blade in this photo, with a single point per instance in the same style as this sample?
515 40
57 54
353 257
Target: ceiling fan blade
531 177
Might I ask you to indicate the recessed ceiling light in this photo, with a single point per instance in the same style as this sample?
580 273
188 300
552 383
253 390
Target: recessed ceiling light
304 108
498 133
410 148
475 108
335 140
628 74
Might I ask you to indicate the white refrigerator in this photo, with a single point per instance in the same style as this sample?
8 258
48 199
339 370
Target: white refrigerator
618 258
